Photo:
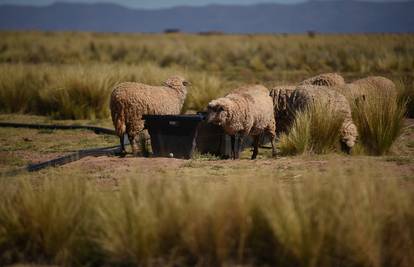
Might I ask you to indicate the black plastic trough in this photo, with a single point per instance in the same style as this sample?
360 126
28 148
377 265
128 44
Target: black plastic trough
173 135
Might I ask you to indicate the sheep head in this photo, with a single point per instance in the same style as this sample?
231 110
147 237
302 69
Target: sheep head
218 111
176 82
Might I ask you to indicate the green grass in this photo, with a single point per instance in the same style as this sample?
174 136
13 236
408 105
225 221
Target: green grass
315 130
379 120
359 217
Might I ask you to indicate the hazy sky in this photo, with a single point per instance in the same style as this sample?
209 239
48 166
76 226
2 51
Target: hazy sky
159 3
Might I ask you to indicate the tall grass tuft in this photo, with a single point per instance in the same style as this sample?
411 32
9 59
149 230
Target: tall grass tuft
18 88
78 94
297 140
51 222
380 120
204 88
316 129
168 222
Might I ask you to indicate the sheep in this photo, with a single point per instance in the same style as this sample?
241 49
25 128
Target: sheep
325 79
130 100
288 102
381 85
375 85
245 111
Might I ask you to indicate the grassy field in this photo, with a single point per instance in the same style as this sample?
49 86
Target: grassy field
308 210
69 75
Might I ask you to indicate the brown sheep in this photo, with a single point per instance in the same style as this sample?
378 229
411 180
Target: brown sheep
288 102
372 85
305 95
130 100
325 79
245 111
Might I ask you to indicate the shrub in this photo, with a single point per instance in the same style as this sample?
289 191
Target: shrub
18 88
379 119
204 89
297 141
315 129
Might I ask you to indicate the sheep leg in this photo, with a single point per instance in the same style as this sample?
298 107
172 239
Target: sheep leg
345 148
121 140
256 146
272 141
134 146
239 144
233 143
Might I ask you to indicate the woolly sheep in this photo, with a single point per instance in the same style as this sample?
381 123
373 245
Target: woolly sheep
372 85
296 99
376 84
305 95
325 79
130 100
245 111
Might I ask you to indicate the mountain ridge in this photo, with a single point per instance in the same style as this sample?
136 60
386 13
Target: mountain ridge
319 16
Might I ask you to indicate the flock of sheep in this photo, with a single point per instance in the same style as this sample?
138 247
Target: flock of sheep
247 111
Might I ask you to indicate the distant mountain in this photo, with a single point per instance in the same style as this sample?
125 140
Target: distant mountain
319 16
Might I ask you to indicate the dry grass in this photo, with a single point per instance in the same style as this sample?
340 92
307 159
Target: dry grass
380 120
315 130
82 91
359 217
257 55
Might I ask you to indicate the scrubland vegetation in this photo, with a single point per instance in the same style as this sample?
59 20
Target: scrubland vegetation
313 131
69 75
308 210
331 219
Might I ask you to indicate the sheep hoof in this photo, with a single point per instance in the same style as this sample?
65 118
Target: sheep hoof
346 149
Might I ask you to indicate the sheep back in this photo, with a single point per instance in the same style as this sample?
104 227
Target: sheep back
250 112
129 101
325 79
306 95
380 85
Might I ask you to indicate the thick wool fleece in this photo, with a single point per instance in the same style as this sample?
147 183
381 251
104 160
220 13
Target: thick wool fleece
305 95
372 85
289 100
325 79
129 101
245 111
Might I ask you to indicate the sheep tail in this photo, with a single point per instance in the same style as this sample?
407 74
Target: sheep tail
119 123
118 119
